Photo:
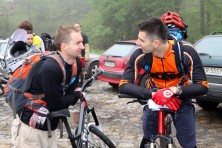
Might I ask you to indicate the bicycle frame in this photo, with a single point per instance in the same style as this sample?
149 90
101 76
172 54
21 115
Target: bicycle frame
166 139
83 122
82 137
162 131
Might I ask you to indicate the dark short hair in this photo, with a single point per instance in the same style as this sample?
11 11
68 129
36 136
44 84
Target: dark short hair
26 25
154 27
29 31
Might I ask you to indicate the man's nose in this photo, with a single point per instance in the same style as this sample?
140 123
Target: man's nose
81 46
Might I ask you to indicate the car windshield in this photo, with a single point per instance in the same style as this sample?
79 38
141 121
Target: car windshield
120 50
210 45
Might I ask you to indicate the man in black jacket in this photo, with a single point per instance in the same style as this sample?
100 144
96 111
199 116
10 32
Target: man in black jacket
165 76
31 129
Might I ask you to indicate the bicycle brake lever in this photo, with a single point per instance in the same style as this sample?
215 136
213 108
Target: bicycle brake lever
141 101
132 101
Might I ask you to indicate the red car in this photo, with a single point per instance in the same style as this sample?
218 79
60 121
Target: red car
113 61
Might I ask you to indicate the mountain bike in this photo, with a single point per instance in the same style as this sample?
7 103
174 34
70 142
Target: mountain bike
164 133
87 134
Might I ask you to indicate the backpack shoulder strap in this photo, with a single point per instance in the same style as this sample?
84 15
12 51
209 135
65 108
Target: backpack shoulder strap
74 72
59 59
179 57
61 64
148 62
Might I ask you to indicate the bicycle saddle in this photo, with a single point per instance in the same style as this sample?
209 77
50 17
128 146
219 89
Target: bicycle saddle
59 113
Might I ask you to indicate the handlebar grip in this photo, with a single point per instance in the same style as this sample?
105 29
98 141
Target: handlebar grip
3 80
98 73
125 96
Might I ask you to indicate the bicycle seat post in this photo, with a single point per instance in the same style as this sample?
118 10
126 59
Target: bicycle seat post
161 126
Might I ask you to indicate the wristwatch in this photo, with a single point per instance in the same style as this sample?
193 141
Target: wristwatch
178 90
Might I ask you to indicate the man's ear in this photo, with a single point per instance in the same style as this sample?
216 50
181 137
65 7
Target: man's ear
156 43
63 46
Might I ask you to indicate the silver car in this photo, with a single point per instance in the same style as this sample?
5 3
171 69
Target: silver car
209 49
92 65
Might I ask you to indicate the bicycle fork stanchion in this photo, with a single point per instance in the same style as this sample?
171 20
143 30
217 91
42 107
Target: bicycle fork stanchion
96 123
91 109
167 141
161 125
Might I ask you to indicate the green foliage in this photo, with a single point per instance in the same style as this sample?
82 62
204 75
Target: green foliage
45 15
97 51
107 21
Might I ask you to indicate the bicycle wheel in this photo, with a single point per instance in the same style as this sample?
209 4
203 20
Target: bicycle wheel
99 140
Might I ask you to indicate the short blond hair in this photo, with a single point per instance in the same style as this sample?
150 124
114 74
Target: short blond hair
63 35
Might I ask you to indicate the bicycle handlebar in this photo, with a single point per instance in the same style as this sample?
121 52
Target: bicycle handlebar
3 80
152 105
88 82
125 96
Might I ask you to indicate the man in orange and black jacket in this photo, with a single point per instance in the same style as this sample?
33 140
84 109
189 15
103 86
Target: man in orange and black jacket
152 38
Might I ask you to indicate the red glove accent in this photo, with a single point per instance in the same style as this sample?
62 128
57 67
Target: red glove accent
173 103
38 118
162 96
79 93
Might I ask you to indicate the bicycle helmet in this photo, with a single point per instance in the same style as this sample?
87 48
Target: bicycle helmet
16 51
175 25
173 18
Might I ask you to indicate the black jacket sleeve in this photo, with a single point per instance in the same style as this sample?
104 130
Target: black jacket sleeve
197 74
51 77
127 85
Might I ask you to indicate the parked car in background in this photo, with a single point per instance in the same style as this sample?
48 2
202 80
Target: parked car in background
209 49
3 75
92 65
114 60
3 44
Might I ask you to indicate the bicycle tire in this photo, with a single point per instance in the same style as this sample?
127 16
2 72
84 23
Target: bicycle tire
101 136
163 143
78 141
168 125
168 130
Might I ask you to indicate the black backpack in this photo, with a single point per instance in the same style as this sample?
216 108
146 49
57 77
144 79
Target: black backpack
48 42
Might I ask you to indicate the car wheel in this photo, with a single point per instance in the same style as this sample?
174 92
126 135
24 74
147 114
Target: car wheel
207 105
143 81
92 70
114 85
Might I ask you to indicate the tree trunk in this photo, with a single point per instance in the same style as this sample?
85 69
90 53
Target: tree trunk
202 17
178 4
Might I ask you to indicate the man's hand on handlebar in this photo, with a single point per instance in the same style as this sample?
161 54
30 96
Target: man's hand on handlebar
173 103
166 97
79 92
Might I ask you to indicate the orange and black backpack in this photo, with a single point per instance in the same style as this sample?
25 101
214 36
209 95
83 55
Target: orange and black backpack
147 62
17 91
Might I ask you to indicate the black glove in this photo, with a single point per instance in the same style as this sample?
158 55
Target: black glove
79 93
38 118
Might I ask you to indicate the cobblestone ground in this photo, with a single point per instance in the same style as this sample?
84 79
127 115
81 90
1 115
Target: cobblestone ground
122 122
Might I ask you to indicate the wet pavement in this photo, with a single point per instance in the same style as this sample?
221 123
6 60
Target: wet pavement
122 123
